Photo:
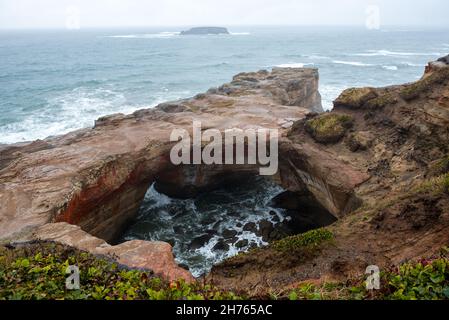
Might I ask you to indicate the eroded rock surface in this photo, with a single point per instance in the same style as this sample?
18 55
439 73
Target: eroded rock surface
394 158
384 176
97 178
155 256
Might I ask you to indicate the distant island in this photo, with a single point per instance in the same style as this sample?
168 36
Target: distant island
205 30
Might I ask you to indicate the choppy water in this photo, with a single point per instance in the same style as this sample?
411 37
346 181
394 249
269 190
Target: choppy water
195 226
52 82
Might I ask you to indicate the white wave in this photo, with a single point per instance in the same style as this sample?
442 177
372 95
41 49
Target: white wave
329 93
67 112
293 65
240 33
353 63
160 199
147 35
316 57
375 53
392 68
410 64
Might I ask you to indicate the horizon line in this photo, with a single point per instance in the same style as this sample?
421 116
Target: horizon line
62 28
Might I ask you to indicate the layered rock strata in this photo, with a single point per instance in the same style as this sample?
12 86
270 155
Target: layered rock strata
96 178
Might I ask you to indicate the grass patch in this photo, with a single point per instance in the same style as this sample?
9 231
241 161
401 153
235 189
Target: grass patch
38 271
329 128
309 240
355 97
381 101
436 185
415 90
440 167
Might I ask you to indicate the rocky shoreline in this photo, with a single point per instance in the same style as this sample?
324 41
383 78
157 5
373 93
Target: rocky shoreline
376 162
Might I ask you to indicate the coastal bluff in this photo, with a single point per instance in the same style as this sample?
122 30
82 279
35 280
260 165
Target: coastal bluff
378 162
84 187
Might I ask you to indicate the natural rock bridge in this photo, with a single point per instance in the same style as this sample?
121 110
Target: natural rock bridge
96 178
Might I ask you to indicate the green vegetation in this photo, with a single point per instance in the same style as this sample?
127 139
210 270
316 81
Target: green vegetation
440 167
329 128
414 90
381 101
37 271
355 97
436 185
309 240
427 279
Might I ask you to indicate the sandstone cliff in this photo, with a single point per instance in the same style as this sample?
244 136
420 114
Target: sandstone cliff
378 162
97 178
390 146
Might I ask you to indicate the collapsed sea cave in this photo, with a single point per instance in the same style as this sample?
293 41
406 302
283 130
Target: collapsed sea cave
218 223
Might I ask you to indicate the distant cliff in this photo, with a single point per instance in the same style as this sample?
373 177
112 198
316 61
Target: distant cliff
205 30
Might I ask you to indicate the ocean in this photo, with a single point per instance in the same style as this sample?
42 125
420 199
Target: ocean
53 82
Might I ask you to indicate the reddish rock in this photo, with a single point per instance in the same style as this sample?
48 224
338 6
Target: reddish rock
155 256
97 178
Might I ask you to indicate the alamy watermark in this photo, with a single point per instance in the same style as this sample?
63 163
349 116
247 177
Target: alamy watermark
373 279
73 21
72 282
372 21
233 146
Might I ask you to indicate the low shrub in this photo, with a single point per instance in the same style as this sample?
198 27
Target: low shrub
308 240
38 271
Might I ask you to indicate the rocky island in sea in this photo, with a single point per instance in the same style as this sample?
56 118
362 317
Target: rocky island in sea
205 31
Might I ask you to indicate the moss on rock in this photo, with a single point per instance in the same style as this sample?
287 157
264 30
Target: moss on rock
381 101
415 90
329 128
355 97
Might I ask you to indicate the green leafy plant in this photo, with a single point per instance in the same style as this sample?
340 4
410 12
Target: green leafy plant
309 240
38 271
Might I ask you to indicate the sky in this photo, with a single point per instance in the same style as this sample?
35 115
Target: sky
30 14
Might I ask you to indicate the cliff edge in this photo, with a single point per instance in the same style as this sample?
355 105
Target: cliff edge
398 137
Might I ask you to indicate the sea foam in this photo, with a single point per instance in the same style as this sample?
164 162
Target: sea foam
293 65
165 34
353 63
69 111
383 53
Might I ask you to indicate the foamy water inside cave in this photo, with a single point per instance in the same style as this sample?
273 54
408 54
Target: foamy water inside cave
211 227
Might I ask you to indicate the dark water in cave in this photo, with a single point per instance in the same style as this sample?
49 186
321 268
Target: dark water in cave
219 224
213 226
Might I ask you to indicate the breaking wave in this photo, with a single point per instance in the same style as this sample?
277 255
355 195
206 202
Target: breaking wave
147 36
384 53
353 63
73 110
293 65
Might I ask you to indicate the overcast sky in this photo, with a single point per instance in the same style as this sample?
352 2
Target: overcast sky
119 13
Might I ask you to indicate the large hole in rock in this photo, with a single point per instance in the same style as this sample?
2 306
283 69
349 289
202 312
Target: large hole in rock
218 224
